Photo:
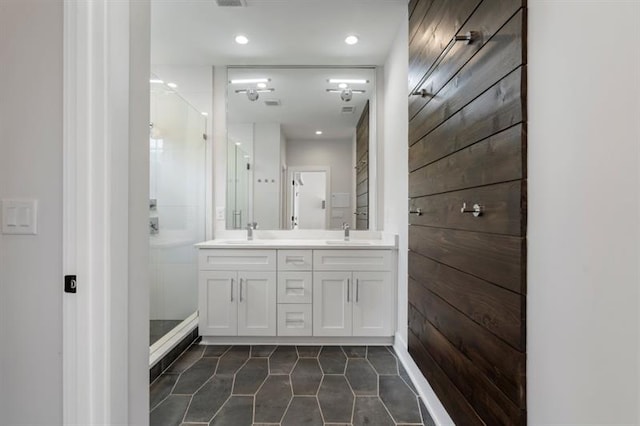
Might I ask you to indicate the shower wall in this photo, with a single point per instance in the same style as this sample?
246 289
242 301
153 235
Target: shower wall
177 203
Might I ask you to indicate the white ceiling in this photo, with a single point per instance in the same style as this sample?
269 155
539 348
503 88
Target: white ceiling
281 32
188 36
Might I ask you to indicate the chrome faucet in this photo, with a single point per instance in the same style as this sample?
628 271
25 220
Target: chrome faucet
250 228
345 226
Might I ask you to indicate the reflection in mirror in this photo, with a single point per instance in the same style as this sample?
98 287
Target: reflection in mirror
298 147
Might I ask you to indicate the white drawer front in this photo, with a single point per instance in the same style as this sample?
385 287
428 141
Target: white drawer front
351 260
295 260
295 287
294 320
240 259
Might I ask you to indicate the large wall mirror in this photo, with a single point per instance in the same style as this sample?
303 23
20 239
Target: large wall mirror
298 147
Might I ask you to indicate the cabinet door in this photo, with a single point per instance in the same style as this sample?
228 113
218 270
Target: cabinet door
373 304
218 303
256 303
332 304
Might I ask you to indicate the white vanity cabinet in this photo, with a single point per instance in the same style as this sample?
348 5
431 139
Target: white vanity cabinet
353 293
237 292
297 294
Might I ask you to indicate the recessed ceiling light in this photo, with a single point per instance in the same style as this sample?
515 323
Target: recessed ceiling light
261 85
343 85
204 113
318 132
172 85
240 39
348 80
156 81
351 39
250 80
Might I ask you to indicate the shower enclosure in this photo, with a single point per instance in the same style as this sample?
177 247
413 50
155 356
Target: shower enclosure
176 212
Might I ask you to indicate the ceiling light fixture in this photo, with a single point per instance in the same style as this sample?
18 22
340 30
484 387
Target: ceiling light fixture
241 39
348 80
351 40
156 81
318 132
172 85
250 80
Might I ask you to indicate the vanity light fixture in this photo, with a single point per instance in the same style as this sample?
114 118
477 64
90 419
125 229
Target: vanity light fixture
172 85
242 39
348 80
318 132
156 81
351 40
250 80
259 90
343 85
340 91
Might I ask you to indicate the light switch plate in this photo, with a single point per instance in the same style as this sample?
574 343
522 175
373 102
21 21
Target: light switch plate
219 213
19 216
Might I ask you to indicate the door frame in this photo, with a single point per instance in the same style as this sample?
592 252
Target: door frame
105 371
301 169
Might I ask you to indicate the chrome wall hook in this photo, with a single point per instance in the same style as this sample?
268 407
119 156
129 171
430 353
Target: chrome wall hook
417 212
469 37
422 92
476 211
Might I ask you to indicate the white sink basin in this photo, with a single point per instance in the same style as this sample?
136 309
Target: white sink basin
248 242
348 243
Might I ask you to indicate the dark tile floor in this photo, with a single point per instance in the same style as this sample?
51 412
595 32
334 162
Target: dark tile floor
158 328
286 385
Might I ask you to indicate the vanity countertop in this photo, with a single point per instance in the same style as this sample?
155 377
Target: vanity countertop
353 243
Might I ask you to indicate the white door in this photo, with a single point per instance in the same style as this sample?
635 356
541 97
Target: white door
257 303
373 304
332 303
311 200
218 303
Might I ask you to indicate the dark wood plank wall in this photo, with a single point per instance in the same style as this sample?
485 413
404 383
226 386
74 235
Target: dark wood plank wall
362 170
467 144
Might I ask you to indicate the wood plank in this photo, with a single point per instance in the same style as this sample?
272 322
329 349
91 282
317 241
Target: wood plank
502 207
454 402
362 201
417 14
436 32
501 363
498 310
488 401
493 160
488 18
362 176
362 187
499 56
501 106
494 258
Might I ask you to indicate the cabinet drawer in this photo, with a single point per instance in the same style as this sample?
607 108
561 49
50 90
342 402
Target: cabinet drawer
352 260
233 260
294 320
295 287
295 260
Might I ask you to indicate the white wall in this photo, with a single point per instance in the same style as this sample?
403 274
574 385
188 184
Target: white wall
266 175
583 232
395 151
338 155
31 166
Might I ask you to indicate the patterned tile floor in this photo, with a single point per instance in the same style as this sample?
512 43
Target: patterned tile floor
286 385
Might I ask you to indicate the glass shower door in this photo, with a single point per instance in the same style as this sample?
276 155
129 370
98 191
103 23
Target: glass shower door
176 208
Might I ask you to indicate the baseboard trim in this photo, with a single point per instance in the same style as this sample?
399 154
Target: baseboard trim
295 340
431 401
